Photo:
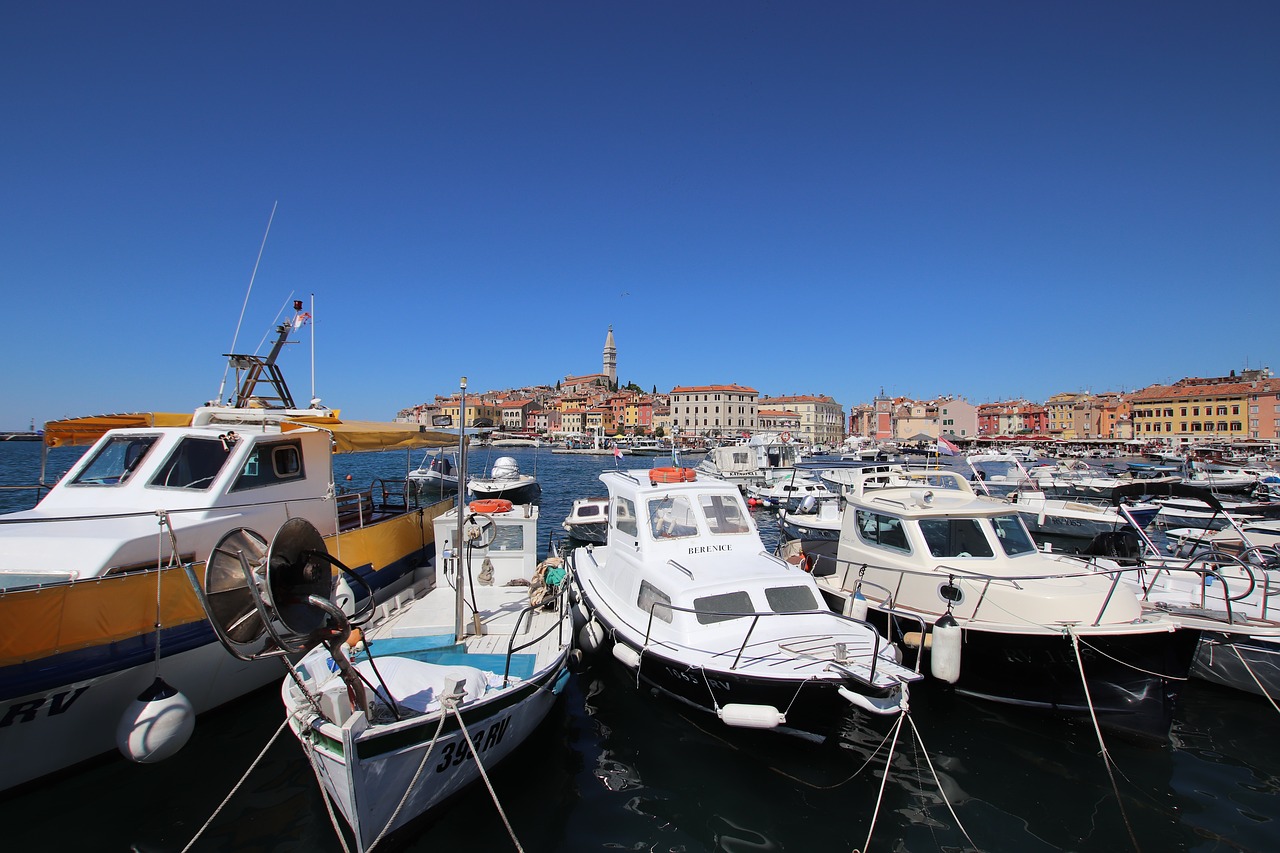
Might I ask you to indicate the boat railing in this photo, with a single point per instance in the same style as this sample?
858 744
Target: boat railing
564 611
984 581
756 616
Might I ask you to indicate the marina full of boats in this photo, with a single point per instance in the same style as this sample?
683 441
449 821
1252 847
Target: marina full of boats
420 630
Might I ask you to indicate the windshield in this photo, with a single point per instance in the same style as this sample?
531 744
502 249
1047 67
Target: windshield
724 514
194 464
115 460
1013 535
672 518
955 537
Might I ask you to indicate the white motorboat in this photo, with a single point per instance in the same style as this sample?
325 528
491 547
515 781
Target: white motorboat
1035 633
787 492
94 601
400 707
436 475
819 520
687 597
588 520
763 457
505 482
1221 583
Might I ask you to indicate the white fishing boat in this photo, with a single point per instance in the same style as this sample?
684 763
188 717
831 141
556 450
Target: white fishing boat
100 623
402 706
505 482
588 520
687 597
1035 633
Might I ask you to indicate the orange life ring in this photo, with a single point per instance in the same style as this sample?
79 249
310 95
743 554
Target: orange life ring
491 505
672 475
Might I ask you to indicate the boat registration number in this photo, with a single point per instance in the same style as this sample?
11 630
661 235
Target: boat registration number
458 751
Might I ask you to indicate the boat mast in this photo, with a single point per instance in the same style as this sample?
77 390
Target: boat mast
462 501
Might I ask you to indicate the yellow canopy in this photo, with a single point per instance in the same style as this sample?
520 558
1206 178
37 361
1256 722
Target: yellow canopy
74 432
350 436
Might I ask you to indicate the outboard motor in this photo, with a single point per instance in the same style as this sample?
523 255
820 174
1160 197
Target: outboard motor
1121 545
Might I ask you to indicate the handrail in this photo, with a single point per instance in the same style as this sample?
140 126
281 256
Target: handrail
512 648
755 620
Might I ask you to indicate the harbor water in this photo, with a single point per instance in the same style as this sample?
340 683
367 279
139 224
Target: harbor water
616 768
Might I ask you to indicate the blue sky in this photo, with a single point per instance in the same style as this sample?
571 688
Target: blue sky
984 199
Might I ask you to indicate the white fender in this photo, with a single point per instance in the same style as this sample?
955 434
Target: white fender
591 637
857 608
627 655
155 725
944 661
751 716
343 596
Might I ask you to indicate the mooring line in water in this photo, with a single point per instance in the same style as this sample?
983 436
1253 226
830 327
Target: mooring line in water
1106 756
884 780
485 776
1254 676
937 781
237 786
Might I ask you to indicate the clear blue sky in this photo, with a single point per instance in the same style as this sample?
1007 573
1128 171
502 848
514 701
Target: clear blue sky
985 199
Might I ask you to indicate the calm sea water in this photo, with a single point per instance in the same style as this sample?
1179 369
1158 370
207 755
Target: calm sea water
615 768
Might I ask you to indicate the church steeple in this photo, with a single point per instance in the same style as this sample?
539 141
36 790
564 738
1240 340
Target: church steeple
611 358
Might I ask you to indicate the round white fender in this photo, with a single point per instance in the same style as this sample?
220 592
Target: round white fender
944 662
343 596
156 724
591 636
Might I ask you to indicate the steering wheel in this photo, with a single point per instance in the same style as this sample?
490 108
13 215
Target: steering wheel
479 530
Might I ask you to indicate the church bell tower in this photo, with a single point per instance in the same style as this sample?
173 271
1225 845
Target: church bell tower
611 358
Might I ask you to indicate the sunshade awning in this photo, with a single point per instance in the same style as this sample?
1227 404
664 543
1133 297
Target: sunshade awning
75 432
352 436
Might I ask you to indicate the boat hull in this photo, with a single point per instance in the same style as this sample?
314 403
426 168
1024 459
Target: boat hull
1130 681
517 493
74 655
367 776
1251 664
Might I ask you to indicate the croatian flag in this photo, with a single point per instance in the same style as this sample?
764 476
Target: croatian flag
617 454
946 448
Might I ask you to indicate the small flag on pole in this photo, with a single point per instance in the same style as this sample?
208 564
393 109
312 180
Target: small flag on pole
946 448
617 454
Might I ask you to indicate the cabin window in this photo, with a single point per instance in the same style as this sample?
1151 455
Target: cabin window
790 599
672 518
722 607
955 537
724 514
194 464
652 599
115 461
1013 535
882 530
624 517
268 464
508 537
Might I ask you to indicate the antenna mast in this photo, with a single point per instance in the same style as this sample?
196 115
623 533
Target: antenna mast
234 338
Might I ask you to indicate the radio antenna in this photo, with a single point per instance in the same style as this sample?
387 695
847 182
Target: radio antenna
234 338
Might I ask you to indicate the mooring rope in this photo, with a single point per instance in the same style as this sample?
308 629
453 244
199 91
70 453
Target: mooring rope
938 782
884 780
1133 667
1106 756
485 776
1254 676
238 785
435 738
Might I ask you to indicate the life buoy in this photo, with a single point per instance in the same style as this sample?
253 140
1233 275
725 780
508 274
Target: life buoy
491 505
786 436
672 475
